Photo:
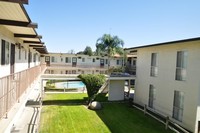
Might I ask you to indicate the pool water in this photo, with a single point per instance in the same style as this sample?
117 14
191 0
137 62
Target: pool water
73 84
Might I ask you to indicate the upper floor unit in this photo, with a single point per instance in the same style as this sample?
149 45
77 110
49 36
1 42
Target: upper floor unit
77 63
168 80
20 45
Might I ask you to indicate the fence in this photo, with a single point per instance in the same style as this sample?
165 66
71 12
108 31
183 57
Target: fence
14 85
164 120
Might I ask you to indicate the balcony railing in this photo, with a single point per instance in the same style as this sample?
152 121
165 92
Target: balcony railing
79 66
14 85
131 69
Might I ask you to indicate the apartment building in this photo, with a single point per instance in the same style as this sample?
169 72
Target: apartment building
21 46
168 81
21 51
63 63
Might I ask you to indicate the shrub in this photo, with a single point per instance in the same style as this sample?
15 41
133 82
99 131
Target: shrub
93 83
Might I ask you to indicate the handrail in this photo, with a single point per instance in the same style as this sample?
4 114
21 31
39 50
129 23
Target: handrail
14 85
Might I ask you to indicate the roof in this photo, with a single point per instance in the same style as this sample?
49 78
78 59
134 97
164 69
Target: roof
166 43
14 17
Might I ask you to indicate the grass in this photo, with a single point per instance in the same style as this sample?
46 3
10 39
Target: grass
64 98
113 118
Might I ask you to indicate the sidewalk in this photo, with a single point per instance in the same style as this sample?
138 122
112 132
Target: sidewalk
23 117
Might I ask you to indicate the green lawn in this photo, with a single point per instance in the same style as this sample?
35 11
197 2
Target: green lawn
113 118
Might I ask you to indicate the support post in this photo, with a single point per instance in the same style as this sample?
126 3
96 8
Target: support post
167 122
145 109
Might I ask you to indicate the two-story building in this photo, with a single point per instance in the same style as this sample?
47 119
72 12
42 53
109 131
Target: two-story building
20 45
21 50
168 80
63 63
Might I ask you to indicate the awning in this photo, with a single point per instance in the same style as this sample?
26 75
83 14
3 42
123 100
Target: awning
14 17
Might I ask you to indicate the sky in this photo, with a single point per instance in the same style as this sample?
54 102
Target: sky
74 24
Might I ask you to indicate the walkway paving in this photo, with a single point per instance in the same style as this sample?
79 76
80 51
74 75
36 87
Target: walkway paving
23 118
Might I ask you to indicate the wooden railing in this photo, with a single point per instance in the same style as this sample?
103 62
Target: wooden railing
14 85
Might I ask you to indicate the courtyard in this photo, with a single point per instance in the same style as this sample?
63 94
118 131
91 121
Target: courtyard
68 113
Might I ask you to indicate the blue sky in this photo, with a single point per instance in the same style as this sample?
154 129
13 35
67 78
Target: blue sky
75 24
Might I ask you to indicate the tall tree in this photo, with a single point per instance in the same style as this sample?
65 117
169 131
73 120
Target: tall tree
110 45
71 51
88 51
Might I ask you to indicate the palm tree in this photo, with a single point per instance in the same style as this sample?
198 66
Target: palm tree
110 45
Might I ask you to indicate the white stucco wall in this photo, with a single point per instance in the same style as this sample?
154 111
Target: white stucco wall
20 63
116 90
88 66
8 36
165 83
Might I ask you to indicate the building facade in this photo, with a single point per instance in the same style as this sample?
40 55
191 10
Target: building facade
20 45
62 63
168 80
21 50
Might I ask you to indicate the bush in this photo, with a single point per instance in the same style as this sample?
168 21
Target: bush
115 69
93 83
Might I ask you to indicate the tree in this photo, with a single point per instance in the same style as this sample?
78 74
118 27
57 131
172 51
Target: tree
80 52
109 44
88 51
93 83
71 51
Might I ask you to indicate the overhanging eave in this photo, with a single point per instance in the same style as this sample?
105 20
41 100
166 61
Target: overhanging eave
18 23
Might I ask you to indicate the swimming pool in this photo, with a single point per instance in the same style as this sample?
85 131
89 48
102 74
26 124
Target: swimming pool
73 84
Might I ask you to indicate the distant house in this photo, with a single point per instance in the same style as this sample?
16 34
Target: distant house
63 63
168 80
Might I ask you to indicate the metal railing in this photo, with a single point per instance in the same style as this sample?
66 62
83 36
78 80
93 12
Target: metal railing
131 69
14 85
89 66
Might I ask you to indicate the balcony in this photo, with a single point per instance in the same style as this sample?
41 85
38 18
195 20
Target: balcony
131 69
14 85
77 66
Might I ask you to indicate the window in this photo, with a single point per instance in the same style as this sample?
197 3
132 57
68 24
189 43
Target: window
34 57
118 61
52 59
83 59
25 54
30 56
73 71
152 92
5 52
178 105
47 58
106 61
52 71
134 62
74 59
68 60
154 65
93 60
181 65
61 59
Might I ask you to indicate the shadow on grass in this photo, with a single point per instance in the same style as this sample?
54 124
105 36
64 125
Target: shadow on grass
65 102
121 118
100 98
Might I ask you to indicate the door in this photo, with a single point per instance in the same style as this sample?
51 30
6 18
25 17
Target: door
47 60
198 126
12 59
101 63
29 58
74 62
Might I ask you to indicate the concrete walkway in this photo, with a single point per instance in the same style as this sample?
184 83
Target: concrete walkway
24 116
